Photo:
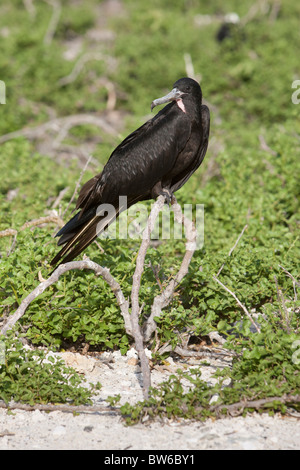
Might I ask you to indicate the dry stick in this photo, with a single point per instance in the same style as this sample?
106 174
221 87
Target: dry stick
163 299
240 303
85 264
60 197
42 220
136 283
236 409
79 66
9 232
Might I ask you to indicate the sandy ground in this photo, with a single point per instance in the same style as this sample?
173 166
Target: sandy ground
106 430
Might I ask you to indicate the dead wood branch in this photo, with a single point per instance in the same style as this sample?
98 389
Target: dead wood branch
43 220
199 354
28 4
9 232
264 146
131 321
162 300
136 283
79 66
233 248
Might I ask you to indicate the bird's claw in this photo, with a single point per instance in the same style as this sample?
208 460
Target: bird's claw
169 197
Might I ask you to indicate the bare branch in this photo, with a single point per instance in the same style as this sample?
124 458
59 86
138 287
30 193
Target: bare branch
53 21
79 66
9 232
281 301
290 275
28 4
236 409
136 283
240 303
85 264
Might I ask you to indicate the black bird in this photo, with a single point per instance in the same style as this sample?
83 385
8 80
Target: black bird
156 159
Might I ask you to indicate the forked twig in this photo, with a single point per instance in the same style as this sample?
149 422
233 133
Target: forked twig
136 283
164 298
131 321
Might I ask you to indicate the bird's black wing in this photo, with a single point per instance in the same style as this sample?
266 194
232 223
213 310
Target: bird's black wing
181 179
134 167
143 158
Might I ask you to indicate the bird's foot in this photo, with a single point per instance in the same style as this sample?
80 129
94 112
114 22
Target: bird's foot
169 197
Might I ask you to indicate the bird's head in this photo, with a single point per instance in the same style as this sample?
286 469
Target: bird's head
184 88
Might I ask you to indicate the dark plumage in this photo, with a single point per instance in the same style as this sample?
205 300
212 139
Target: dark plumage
156 159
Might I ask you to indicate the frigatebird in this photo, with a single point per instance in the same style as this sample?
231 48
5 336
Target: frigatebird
156 159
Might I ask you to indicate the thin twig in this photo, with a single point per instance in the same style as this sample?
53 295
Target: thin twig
199 354
9 232
240 303
290 275
136 283
264 146
163 299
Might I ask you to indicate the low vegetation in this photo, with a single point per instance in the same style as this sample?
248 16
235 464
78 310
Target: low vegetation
249 178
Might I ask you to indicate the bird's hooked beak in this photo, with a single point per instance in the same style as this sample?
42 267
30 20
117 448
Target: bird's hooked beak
174 95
